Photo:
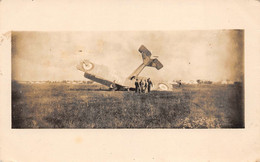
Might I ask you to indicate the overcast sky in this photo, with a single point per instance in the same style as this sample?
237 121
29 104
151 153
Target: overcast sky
187 55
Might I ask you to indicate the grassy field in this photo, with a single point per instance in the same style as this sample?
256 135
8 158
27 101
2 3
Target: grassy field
61 105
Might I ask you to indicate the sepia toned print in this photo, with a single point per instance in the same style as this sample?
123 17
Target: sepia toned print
128 79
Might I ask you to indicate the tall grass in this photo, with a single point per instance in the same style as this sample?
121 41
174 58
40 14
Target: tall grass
58 105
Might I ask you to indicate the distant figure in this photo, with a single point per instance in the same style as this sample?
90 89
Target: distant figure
141 84
179 83
136 86
149 84
145 86
113 86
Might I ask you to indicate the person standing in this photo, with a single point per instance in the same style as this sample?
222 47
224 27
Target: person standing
145 86
141 84
149 84
113 86
136 86
179 83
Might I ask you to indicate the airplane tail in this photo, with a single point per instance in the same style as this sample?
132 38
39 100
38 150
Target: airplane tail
147 61
146 55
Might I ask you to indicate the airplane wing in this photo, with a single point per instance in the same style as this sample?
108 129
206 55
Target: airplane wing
161 86
156 63
89 72
105 82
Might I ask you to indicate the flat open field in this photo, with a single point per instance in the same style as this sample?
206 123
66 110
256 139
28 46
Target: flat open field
62 105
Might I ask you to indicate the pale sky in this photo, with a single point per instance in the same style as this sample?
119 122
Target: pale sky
187 55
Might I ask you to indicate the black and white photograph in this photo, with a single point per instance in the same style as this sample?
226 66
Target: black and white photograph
178 79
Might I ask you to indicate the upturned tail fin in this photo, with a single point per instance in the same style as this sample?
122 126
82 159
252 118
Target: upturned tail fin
146 54
147 61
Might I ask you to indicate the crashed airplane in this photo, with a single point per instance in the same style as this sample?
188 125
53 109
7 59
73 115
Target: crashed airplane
90 72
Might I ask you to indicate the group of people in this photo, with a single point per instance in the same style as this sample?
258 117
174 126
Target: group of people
143 87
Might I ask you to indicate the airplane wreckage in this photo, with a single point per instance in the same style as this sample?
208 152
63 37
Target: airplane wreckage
90 72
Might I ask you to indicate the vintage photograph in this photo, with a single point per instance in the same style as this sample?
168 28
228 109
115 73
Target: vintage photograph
128 79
